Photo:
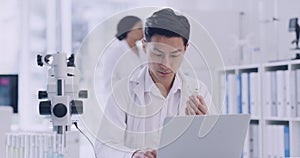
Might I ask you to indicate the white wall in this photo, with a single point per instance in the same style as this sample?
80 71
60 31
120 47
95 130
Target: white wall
9 39
270 36
287 9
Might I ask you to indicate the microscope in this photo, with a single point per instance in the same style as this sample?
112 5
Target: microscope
294 27
61 99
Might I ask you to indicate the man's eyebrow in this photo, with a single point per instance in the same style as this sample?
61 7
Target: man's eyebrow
156 49
175 51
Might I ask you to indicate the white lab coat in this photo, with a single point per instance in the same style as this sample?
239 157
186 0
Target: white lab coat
123 128
116 63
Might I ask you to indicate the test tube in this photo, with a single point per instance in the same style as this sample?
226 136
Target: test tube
22 145
26 145
17 145
196 92
8 145
42 144
32 146
13 143
45 145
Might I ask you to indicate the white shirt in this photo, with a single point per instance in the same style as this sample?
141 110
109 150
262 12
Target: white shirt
170 106
117 62
136 111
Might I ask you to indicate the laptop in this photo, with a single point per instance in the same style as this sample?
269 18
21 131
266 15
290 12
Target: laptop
209 136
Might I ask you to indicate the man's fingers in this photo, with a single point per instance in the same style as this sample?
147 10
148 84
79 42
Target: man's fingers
195 100
203 109
201 99
190 110
202 106
139 154
149 154
194 107
154 152
187 110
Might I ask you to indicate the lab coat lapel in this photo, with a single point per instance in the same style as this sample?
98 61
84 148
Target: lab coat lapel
139 87
137 82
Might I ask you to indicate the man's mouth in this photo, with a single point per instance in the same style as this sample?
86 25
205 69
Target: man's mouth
164 72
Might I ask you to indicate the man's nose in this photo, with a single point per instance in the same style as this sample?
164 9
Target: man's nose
165 61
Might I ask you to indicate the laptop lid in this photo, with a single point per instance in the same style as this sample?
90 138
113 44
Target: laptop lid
212 136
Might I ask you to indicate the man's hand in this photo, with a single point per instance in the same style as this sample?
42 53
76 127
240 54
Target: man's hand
196 106
145 154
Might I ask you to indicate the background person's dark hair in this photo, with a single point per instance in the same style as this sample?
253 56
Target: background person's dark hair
167 23
125 25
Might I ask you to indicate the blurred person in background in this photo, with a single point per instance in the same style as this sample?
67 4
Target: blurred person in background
120 58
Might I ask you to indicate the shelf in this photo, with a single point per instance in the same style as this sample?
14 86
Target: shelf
276 67
275 64
227 71
272 70
277 119
230 68
248 70
253 66
295 119
295 66
295 62
239 69
282 119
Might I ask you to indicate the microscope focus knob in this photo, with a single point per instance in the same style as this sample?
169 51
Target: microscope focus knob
43 95
60 110
76 107
39 60
83 94
45 107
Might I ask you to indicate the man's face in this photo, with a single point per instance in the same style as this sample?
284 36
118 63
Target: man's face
165 55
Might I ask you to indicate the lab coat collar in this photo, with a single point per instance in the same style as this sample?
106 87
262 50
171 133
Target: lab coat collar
124 45
137 80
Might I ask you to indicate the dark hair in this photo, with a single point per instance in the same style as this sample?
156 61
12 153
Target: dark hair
125 25
167 23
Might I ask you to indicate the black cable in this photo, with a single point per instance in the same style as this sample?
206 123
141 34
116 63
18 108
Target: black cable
75 123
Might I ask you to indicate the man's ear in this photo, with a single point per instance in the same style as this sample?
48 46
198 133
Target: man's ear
144 43
186 46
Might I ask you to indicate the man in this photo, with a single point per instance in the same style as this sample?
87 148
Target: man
138 106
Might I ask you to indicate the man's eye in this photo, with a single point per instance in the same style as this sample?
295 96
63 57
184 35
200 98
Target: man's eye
157 54
174 56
